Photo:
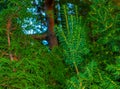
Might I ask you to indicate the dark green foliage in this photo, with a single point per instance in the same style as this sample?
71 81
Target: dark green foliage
22 74
88 56
33 71
34 66
99 69
105 35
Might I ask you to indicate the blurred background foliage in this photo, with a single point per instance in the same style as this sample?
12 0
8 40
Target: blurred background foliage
88 54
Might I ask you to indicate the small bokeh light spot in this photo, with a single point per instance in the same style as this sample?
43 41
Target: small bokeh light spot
44 42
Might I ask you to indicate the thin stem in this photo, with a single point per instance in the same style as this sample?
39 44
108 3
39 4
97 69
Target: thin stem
8 26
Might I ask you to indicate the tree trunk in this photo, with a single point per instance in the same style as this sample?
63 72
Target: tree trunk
49 7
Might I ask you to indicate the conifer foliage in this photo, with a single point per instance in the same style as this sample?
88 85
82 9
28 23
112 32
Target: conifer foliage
87 56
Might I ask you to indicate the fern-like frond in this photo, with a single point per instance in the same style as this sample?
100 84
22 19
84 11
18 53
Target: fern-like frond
73 38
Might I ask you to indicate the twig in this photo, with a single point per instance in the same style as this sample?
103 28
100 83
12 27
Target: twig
76 68
8 26
77 71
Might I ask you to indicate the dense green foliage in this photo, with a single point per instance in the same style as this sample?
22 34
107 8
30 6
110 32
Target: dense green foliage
88 55
94 48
